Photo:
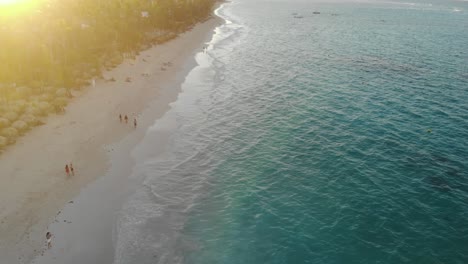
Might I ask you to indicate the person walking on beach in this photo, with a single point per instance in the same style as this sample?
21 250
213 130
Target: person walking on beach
120 118
67 170
49 240
72 170
134 122
126 119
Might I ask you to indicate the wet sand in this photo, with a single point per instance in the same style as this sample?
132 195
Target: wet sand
35 192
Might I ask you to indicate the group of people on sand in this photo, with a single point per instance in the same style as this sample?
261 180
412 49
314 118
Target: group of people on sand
125 119
69 170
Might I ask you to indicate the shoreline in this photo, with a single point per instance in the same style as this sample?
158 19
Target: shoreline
35 186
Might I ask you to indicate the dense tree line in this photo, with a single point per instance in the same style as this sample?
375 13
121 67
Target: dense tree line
53 44
64 43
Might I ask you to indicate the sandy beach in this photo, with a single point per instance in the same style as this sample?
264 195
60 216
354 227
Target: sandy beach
34 188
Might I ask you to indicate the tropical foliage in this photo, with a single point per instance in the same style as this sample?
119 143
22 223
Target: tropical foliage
62 44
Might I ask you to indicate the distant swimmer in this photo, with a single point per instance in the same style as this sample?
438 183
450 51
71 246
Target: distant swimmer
49 240
67 170
134 122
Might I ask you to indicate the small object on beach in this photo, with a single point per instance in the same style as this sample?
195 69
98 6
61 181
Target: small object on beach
316 13
128 79
144 60
49 239
70 202
72 170
126 119
163 69
67 170
111 79
93 82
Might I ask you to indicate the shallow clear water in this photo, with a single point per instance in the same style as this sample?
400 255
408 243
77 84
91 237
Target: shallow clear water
339 137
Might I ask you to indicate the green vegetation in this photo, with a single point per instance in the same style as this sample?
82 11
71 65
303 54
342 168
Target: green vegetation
62 44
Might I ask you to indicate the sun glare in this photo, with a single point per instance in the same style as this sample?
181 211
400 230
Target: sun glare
15 7
6 2
10 2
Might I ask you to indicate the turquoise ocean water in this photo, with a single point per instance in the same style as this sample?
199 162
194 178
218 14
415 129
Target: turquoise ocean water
339 137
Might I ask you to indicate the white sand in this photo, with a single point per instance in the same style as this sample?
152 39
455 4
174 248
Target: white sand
33 183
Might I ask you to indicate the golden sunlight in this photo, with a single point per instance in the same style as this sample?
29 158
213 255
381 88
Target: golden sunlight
3 2
10 2
15 7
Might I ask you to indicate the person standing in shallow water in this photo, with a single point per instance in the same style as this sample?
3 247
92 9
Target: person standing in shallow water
67 170
126 119
120 118
134 122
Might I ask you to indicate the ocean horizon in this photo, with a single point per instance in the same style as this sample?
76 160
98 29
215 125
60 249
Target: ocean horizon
312 132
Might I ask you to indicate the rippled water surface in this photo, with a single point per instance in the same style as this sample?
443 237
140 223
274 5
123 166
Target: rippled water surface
339 137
